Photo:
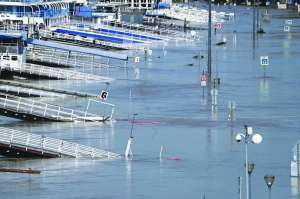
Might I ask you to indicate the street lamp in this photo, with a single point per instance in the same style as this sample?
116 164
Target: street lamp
255 139
250 169
269 178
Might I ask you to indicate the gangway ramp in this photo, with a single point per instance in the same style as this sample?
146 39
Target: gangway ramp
18 144
35 110
26 89
113 36
70 48
16 68
166 34
87 41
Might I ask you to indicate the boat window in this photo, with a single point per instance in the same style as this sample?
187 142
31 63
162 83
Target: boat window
14 58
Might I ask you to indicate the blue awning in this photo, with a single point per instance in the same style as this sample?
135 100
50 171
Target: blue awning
10 35
78 49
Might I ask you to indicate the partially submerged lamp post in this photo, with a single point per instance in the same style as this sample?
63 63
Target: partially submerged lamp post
255 139
269 178
250 169
128 152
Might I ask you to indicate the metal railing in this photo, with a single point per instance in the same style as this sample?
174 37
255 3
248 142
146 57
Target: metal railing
149 31
87 41
51 111
55 58
51 145
49 72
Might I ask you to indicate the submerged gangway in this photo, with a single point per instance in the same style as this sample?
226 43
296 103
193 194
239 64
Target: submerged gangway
165 34
108 33
27 89
98 35
25 69
39 145
34 110
192 15
63 58
87 41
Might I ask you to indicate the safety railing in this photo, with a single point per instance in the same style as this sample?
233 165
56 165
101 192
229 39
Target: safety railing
43 144
62 59
39 90
87 41
49 72
52 112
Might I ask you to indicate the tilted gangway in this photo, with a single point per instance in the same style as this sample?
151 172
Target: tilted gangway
165 34
71 50
18 68
63 58
26 89
15 143
34 110
87 41
192 15
144 33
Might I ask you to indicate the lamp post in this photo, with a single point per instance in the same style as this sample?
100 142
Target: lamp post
269 178
250 169
255 139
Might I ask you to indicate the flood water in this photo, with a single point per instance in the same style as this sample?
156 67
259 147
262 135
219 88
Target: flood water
166 89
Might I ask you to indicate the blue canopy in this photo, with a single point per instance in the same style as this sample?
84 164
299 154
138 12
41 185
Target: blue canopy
10 35
163 6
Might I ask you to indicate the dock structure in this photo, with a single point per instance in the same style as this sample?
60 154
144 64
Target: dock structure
34 71
19 144
109 33
144 33
25 89
90 41
34 110
164 34
71 52
191 15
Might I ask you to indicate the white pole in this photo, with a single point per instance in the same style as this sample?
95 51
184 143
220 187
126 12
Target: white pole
160 151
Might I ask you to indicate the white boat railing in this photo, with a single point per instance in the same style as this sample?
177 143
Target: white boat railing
48 111
44 144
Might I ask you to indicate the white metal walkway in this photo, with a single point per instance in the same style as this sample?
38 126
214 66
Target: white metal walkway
50 35
199 16
34 110
48 72
44 144
75 60
25 89
151 31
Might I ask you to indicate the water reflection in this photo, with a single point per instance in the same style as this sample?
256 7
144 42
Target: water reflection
231 135
264 90
129 177
295 186
234 40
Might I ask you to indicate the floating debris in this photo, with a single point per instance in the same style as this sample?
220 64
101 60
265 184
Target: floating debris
221 43
261 31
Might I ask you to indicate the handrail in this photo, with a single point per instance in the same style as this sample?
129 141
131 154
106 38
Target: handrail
67 61
49 71
42 144
50 111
